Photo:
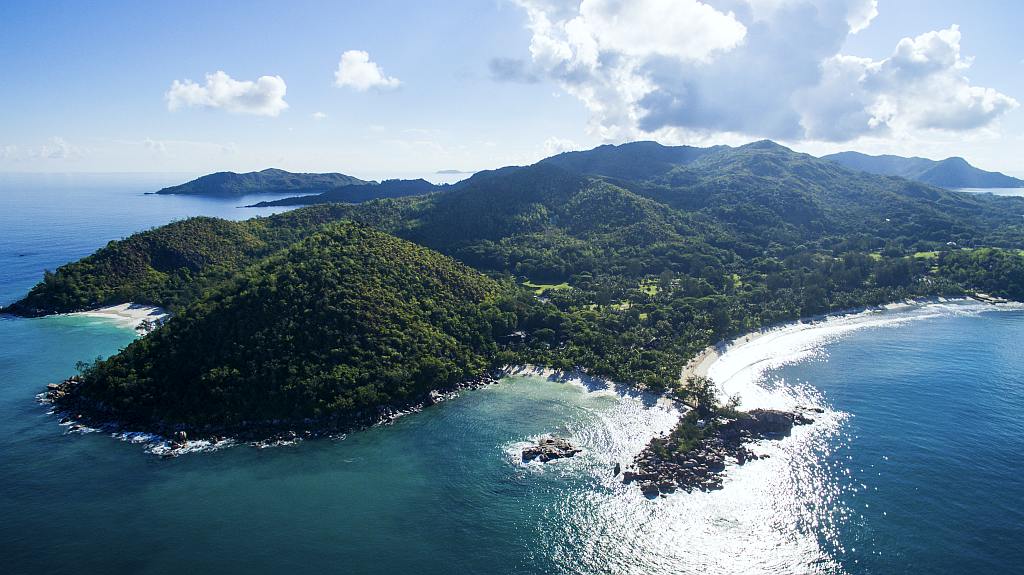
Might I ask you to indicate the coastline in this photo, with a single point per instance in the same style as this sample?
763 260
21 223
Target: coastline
576 376
163 442
736 368
172 440
264 434
700 365
130 314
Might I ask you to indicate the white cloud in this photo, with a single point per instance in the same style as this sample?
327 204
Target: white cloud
158 146
264 97
683 29
920 87
752 68
555 145
56 148
318 115
176 149
355 70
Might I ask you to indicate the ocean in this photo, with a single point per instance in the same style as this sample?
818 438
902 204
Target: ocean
911 469
994 191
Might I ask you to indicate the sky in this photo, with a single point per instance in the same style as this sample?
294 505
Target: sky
389 89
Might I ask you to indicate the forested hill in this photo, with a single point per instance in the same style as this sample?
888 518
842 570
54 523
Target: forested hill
949 173
342 323
171 265
269 181
640 268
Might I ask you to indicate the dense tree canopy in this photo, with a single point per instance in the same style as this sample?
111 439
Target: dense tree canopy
345 321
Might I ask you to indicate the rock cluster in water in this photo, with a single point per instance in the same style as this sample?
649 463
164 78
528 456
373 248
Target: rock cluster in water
701 467
549 448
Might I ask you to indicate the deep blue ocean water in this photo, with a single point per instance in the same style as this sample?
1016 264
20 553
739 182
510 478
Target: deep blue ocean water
914 467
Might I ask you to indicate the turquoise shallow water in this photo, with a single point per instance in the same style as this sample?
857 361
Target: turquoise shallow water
914 467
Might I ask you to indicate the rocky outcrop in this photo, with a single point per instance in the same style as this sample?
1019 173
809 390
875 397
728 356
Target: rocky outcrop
661 469
550 448
764 423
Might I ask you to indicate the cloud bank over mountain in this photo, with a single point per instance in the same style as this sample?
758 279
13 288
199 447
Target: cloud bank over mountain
765 68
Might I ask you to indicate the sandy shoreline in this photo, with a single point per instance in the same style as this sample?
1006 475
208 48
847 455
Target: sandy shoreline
576 377
129 314
700 364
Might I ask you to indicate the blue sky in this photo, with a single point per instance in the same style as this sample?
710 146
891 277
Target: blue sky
474 85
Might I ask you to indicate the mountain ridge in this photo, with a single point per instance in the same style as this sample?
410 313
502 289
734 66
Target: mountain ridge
953 172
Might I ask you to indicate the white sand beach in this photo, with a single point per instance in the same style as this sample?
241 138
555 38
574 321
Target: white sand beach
128 314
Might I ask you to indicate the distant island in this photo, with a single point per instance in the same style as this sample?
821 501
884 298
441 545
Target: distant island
358 193
269 181
623 262
951 173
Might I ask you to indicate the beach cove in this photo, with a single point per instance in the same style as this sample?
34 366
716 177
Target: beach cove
801 510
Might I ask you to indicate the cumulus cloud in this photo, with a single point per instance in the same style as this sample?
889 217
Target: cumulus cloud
555 145
921 86
357 71
263 97
318 115
765 68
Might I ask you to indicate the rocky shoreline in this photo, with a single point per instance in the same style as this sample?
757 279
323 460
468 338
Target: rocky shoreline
659 469
173 439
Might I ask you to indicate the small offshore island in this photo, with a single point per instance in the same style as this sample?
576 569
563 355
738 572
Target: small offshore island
622 263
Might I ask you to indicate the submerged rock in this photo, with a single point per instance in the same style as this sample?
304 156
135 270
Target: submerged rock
549 448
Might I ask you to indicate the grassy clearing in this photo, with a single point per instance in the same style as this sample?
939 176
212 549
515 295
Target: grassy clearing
649 287
541 288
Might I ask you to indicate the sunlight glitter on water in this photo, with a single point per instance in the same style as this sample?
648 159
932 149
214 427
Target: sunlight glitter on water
784 514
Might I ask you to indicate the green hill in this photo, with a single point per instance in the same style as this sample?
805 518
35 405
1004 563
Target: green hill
344 322
168 266
269 181
949 173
